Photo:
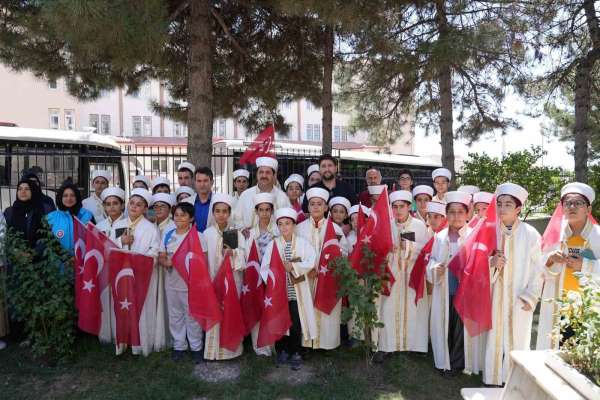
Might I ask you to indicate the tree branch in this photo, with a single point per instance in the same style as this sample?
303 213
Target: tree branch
227 33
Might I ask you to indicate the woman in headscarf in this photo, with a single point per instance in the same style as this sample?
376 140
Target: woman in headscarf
69 205
25 215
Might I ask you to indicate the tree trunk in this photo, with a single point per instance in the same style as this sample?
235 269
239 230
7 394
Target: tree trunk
200 102
327 99
445 89
582 109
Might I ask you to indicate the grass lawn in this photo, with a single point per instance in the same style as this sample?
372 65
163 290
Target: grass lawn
96 373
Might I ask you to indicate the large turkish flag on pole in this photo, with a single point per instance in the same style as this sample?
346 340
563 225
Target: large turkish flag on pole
262 146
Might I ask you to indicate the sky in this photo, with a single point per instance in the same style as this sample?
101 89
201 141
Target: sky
515 139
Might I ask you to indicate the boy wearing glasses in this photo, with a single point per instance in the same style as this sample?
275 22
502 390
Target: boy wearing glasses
516 279
577 251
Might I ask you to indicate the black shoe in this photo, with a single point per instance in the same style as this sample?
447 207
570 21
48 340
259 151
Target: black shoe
296 362
282 357
177 355
198 356
378 357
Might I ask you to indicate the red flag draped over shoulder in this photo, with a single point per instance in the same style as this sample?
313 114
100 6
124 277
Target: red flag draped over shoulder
327 286
253 290
275 320
93 280
473 298
130 275
262 146
232 329
417 275
551 236
189 261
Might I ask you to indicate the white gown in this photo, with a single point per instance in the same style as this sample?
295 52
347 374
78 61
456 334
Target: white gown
244 215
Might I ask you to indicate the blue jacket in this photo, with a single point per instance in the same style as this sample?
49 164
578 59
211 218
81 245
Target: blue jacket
61 223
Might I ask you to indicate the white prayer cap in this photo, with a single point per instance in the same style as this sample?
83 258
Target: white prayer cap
401 195
163 197
578 188
482 197
376 189
260 198
512 189
458 197
342 201
423 189
141 178
354 209
144 194
184 189
113 191
241 172
436 207
471 189
312 168
267 162
186 165
445 172
161 180
220 198
189 200
317 192
286 212
101 173
294 178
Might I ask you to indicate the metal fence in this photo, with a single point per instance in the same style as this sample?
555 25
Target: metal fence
53 163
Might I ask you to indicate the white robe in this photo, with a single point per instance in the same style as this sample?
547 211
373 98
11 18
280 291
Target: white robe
146 241
440 254
161 298
244 215
554 280
302 249
406 325
94 205
108 322
520 279
213 245
328 326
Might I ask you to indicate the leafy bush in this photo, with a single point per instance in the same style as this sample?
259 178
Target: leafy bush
594 181
579 312
543 183
41 295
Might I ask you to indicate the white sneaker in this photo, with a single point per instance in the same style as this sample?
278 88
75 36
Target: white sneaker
2 345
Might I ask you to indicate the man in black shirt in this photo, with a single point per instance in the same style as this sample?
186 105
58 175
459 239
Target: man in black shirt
328 168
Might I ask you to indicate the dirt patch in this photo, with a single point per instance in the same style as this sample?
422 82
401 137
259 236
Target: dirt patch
218 371
284 374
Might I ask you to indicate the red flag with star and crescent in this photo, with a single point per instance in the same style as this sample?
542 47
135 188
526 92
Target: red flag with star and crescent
275 320
473 298
190 262
79 250
253 290
232 329
130 275
262 146
326 296
417 274
376 233
94 279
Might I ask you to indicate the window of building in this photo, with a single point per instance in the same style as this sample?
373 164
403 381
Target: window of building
105 124
286 105
222 128
54 116
344 133
147 126
52 84
310 106
69 120
159 166
136 121
94 122
313 132
337 133
179 129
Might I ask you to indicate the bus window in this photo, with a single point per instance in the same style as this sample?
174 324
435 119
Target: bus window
113 167
51 165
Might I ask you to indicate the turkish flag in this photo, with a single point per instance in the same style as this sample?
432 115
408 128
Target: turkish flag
189 261
356 258
262 146
130 275
473 298
275 320
327 286
94 279
376 234
253 290
417 275
79 249
232 330
551 236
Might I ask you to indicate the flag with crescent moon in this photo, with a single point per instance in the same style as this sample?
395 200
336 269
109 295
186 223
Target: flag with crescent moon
326 296
253 290
262 146
232 329
79 250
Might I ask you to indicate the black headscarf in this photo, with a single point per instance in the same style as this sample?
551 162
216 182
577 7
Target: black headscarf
68 184
26 216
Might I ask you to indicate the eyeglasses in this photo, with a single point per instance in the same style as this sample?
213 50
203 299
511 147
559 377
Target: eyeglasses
574 204
405 178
